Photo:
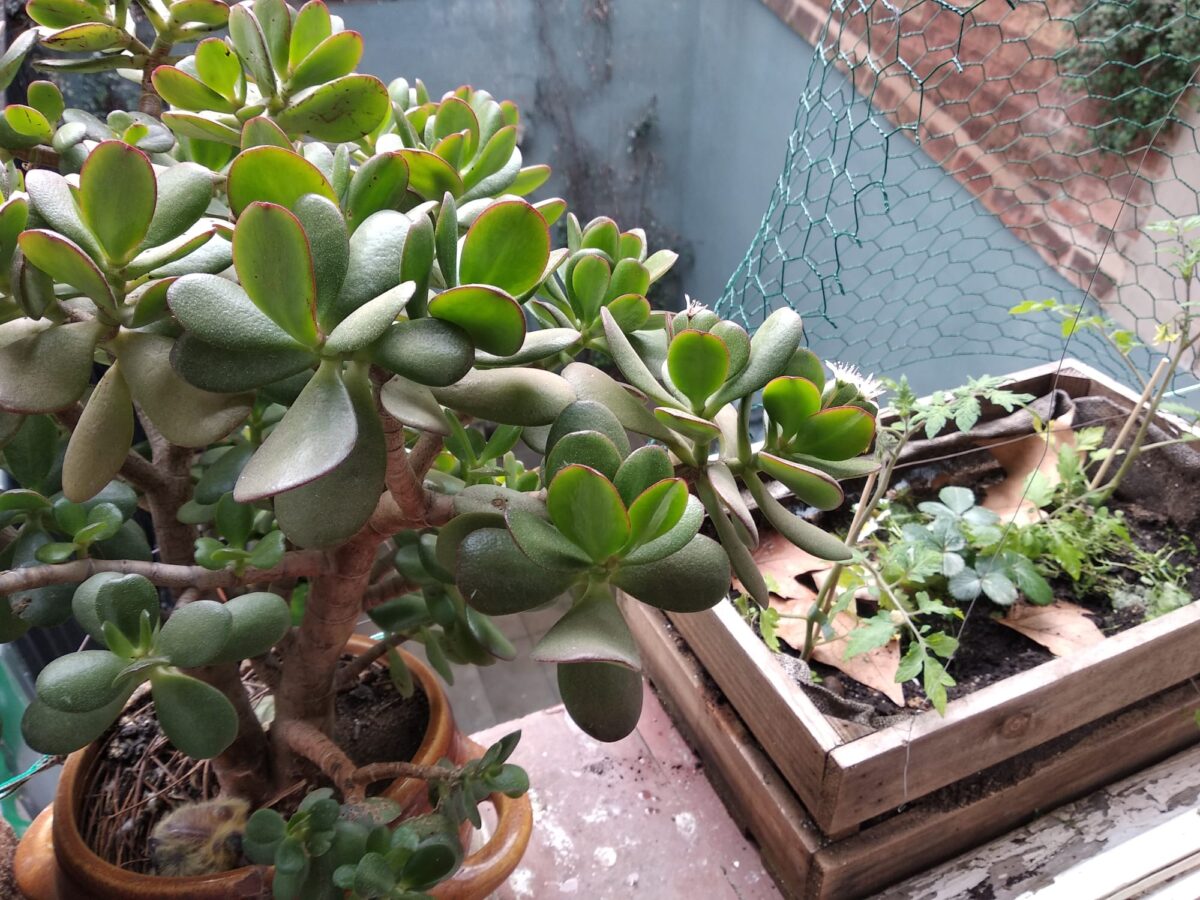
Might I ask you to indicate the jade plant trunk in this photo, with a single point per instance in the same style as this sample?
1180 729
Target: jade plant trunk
268 345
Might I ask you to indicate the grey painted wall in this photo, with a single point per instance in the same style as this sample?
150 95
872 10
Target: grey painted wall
676 114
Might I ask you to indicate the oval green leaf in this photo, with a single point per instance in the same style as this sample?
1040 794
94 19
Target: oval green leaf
430 176
771 348
789 400
183 91
195 633
427 351
697 363
838 433
585 507
593 630
184 414
508 396
689 580
316 434
274 175
48 370
586 448
507 247
341 110
195 716
657 510
808 484
603 699
275 266
334 57
80 682
493 319
64 261
332 508
57 733
101 438
259 621
219 312
497 579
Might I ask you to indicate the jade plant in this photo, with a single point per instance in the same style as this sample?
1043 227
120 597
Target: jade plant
287 345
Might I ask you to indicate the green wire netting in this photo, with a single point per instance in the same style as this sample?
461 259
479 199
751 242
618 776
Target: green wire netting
950 160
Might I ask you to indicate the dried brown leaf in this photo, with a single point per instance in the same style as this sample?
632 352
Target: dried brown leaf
1062 627
1021 459
875 668
782 562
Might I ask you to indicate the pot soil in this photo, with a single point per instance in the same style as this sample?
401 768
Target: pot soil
67 851
989 652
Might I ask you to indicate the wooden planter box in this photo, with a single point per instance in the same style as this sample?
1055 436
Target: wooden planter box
872 809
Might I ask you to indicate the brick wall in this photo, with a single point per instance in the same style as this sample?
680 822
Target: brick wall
984 95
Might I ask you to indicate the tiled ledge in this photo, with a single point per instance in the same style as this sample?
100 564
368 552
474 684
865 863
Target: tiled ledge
636 818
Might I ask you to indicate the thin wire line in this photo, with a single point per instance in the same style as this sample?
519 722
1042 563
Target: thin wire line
1108 238
1054 386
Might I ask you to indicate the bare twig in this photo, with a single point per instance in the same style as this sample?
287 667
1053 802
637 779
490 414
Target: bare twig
348 675
1134 416
425 452
392 586
266 669
385 770
301 563
41 157
416 506
319 749
311 743
150 103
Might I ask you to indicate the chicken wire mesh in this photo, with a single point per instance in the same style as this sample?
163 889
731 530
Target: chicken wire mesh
950 160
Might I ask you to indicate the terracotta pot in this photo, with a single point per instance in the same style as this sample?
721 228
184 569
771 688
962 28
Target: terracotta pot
53 862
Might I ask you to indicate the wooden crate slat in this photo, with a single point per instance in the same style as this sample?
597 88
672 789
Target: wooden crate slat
845 779
925 836
809 865
791 729
745 779
864 777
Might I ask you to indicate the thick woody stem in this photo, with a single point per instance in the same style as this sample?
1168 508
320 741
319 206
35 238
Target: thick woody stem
174 466
240 768
309 680
300 563
403 483
308 684
311 743
352 781
150 103
40 157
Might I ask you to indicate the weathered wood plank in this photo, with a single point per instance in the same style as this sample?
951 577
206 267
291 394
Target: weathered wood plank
927 834
845 781
892 767
1081 840
928 831
752 788
791 729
